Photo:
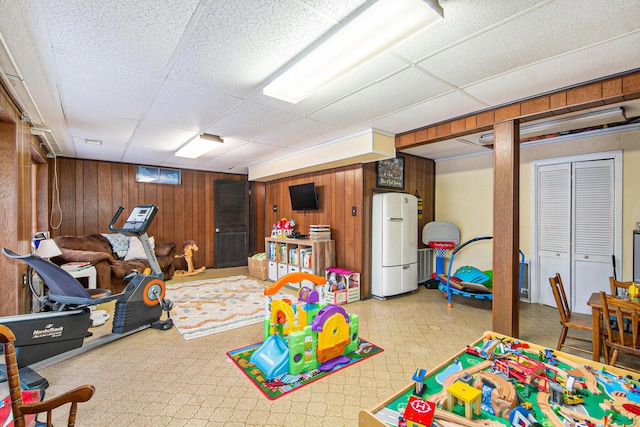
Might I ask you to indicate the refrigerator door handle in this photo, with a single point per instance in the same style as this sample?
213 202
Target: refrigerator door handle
394 219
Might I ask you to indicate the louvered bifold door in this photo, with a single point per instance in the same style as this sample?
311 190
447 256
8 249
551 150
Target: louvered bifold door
554 227
593 230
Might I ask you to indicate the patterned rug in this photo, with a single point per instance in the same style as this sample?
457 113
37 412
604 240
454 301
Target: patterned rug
206 307
286 383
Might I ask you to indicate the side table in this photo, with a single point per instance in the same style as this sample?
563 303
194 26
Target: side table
88 272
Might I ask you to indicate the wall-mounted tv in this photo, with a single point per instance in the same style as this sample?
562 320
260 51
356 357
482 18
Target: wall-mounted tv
303 197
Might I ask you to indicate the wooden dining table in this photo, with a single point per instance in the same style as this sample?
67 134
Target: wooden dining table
596 324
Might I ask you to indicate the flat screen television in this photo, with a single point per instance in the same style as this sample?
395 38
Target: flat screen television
303 197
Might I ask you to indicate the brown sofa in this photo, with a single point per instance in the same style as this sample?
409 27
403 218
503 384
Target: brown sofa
110 269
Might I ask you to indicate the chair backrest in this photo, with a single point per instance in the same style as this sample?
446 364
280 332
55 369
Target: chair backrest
58 280
617 285
621 310
560 297
18 408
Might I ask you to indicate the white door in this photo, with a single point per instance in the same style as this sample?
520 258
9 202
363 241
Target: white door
554 227
593 230
577 226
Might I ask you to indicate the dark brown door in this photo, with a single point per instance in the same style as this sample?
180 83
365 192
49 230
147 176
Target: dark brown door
231 217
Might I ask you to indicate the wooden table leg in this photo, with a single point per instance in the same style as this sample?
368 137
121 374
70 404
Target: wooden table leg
596 326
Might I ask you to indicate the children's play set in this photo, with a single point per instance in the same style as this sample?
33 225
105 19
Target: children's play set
500 381
304 336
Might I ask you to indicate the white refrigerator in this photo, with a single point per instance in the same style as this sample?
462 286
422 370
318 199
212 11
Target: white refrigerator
394 244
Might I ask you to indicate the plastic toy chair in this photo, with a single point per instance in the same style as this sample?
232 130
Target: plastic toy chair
20 409
568 319
64 289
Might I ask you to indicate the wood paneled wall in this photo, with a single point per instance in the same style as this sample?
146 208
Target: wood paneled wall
338 191
91 191
16 207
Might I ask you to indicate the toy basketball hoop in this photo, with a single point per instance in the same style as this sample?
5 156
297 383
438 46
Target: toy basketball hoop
442 236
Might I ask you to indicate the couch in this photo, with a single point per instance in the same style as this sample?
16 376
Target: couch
112 265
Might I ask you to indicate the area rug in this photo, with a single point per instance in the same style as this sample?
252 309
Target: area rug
288 383
207 307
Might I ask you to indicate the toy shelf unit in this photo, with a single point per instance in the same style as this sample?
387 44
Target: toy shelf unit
286 256
343 286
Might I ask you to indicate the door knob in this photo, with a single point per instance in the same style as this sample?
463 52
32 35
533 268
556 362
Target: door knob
217 230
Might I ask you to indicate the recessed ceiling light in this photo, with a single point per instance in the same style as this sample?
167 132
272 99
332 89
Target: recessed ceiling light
93 141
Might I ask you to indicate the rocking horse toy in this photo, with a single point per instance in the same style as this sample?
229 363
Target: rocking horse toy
189 246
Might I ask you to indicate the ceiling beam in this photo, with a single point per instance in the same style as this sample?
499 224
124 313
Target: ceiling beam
605 91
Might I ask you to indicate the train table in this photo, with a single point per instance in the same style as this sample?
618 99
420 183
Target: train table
501 381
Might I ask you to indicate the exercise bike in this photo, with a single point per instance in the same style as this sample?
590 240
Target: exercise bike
61 332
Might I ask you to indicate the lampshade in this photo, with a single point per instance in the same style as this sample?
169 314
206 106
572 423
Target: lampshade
47 249
199 146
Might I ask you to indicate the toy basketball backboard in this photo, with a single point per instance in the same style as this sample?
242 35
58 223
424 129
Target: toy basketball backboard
440 235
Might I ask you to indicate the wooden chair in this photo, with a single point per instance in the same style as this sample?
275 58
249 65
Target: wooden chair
20 409
619 288
619 341
567 319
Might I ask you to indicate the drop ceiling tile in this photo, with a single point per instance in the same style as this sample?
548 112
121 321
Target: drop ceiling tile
296 133
237 44
111 152
561 71
246 155
145 155
561 28
91 86
161 136
20 20
462 19
189 107
250 120
335 9
141 34
109 130
434 110
391 94
449 148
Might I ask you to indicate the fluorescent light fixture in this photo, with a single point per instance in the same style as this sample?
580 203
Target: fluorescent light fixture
198 146
594 118
379 28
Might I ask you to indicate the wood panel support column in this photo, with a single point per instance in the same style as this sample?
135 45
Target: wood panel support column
506 237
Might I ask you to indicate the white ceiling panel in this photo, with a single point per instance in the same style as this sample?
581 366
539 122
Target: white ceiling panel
163 136
250 120
560 27
110 130
252 151
142 36
189 107
296 133
238 44
471 19
582 65
147 76
109 152
404 88
91 86
433 110
452 148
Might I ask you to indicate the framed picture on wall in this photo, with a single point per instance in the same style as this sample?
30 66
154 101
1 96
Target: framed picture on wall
390 173
152 175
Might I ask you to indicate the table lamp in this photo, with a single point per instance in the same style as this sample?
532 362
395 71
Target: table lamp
47 249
